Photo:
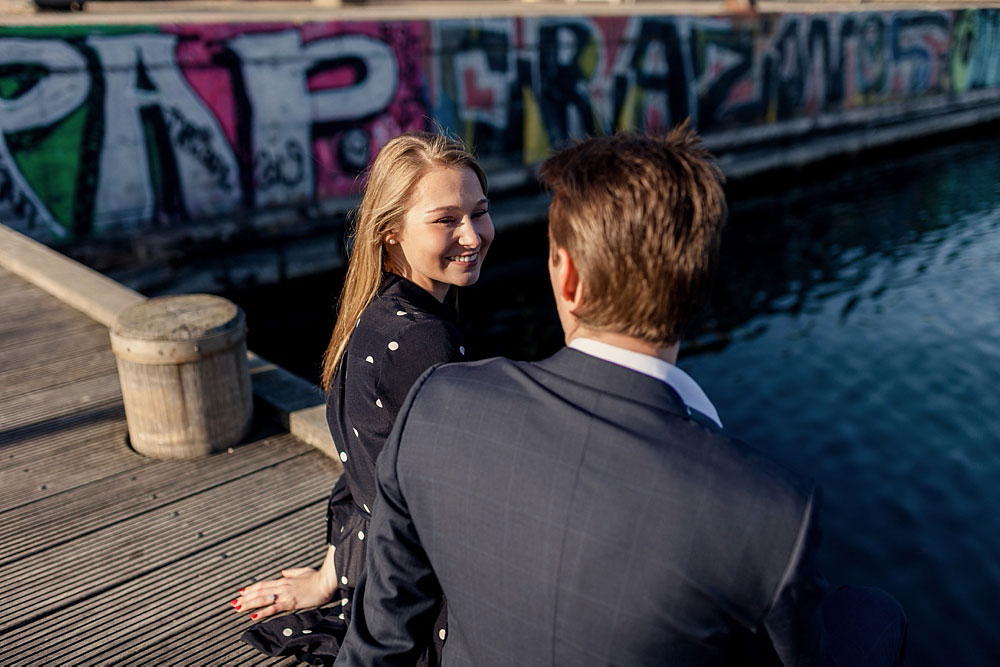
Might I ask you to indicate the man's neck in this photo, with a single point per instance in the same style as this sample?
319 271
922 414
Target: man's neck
668 354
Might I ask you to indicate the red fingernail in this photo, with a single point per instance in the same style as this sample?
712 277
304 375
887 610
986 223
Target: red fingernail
233 602
241 590
237 607
253 615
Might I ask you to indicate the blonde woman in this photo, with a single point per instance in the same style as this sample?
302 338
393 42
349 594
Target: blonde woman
423 228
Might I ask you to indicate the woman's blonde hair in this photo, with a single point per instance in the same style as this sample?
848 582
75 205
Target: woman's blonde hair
392 178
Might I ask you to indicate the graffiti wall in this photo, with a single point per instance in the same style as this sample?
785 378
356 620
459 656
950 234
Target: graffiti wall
120 129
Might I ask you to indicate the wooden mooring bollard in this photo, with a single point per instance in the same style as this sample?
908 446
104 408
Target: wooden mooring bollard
183 371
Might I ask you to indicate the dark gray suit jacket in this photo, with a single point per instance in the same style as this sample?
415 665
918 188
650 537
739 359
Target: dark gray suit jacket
573 513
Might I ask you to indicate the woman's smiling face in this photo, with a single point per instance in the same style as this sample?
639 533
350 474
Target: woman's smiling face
445 233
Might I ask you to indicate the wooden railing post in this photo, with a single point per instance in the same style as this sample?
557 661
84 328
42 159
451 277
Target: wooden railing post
182 364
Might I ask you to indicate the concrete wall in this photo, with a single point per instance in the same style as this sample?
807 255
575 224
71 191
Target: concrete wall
117 130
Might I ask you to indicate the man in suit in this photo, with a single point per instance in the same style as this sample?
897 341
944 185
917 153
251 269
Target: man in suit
588 509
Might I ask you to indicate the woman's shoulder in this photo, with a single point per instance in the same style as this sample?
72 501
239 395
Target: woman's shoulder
421 334
395 327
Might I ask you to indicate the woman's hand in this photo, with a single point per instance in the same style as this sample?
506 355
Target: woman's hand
298 588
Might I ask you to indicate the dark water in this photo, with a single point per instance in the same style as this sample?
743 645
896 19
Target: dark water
863 329
854 333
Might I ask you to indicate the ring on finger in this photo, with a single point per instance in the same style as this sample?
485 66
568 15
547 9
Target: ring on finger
274 598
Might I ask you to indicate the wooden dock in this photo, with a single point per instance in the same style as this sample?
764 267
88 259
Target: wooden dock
107 557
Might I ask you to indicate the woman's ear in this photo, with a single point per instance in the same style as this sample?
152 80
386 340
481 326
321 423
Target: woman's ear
395 258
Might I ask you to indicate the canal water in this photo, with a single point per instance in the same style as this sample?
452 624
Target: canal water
854 333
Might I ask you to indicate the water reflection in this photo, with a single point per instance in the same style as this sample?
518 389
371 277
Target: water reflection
857 233
862 345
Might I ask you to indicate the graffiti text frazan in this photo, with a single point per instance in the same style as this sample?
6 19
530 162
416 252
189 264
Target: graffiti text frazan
122 129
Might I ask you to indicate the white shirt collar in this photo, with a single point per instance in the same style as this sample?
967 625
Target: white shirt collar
691 394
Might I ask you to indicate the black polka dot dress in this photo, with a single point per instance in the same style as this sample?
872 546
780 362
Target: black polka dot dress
401 334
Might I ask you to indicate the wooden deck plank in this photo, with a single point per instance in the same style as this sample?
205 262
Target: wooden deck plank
84 340
64 368
25 410
95 562
31 442
138 622
296 540
66 373
47 334
41 467
140 486
110 557
27 313
28 297
8 284
13 286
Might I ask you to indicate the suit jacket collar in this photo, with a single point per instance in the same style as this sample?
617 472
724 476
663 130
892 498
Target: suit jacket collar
613 379
690 392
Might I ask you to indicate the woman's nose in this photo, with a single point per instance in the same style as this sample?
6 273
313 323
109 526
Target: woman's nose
468 236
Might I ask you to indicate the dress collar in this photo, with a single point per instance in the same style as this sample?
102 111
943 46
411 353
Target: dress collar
396 285
691 394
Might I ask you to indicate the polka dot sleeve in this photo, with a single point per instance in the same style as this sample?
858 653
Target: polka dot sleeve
382 369
416 348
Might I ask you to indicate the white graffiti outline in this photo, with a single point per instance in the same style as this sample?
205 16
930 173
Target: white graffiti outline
51 99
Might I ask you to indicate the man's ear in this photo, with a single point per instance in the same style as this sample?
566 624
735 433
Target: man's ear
567 279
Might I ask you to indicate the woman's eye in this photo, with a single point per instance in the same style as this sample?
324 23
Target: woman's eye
479 214
445 220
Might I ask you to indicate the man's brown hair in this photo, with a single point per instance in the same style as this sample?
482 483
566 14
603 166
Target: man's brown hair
641 217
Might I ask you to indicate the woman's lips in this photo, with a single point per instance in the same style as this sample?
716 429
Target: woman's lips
464 259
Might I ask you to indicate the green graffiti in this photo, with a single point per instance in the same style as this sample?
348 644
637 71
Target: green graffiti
17 79
963 40
69 32
50 164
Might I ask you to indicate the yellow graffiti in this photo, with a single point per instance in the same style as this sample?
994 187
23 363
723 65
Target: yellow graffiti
771 114
963 41
627 119
588 59
536 141
469 132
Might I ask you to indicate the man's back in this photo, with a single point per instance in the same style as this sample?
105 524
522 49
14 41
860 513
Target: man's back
575 514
